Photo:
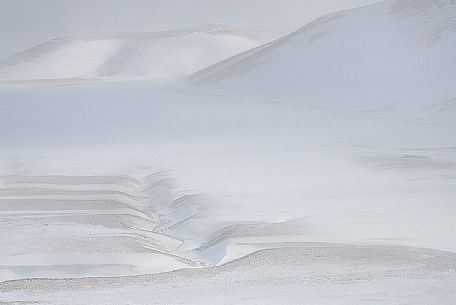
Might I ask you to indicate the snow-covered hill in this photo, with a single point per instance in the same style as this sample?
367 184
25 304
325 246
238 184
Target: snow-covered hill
395 53
159 55
26 23
257 197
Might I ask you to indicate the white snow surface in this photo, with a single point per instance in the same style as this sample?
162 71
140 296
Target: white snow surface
319 168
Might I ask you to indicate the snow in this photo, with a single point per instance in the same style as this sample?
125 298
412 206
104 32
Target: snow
124 56
26 23
316 168
323 275
391 54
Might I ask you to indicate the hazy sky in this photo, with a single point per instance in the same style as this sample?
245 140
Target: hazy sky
25 23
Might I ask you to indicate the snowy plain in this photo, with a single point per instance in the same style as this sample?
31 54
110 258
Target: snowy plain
318 168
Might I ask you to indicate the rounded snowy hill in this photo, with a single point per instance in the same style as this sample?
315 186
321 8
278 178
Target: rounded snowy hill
26 23
394 53
156 55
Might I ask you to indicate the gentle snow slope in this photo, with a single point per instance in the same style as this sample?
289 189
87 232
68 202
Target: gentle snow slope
129 55
393 53
325 274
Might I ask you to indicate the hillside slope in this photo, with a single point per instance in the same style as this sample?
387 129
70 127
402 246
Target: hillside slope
395 53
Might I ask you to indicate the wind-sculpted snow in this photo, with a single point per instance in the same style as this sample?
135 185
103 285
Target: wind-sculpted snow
72 226
318 169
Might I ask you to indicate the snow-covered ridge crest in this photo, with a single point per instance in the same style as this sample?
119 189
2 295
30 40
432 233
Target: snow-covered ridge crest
140 55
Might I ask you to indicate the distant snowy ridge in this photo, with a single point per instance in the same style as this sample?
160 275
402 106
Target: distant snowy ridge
155 55
26 23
